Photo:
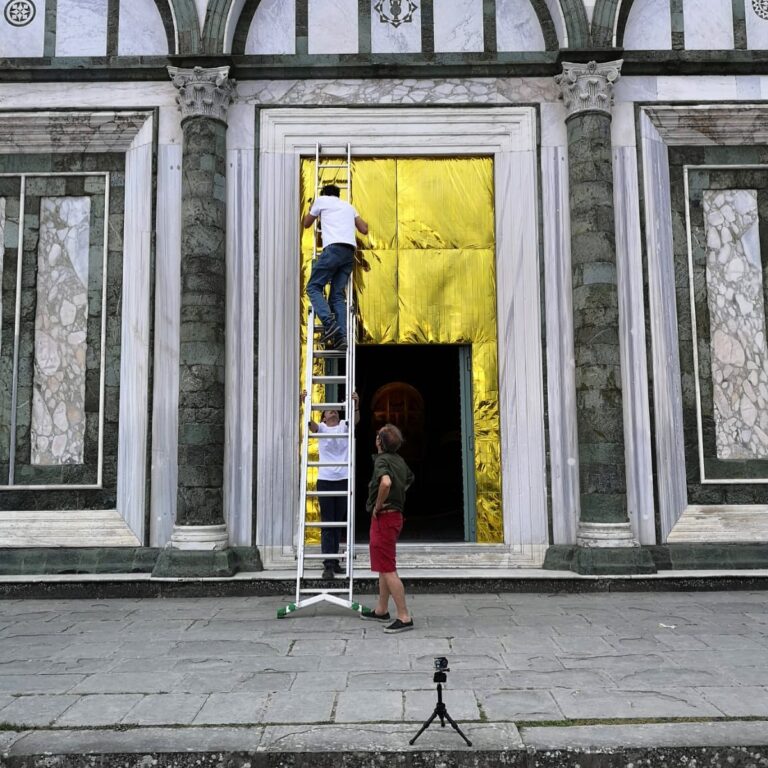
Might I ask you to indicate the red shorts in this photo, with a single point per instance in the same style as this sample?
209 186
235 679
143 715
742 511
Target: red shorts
385 528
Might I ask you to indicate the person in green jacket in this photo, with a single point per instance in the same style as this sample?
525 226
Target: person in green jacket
386 500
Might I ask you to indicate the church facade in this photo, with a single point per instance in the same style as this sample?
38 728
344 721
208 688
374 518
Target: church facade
561 298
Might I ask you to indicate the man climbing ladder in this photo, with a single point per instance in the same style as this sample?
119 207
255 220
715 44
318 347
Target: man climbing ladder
338 220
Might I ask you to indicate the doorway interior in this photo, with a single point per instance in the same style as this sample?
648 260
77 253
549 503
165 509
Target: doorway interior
423 389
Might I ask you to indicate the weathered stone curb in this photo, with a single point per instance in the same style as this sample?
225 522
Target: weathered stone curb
667 745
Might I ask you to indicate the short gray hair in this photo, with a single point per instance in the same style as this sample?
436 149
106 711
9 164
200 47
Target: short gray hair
391 438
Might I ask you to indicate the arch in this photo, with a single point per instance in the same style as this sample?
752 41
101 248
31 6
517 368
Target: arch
187 25
547 24
166 14
215 27
244 25
603 22
576 23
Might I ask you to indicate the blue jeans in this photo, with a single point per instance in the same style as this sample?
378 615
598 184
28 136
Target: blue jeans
334 266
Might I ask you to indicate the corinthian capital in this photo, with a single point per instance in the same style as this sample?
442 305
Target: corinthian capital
588 87
203 92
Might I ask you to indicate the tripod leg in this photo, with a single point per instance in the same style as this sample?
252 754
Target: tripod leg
456 728
424 727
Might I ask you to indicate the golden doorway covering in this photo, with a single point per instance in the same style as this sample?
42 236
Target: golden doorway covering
426 274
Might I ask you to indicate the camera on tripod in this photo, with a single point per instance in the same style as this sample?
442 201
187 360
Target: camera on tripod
441 667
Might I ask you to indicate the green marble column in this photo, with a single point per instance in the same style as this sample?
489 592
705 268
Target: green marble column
605 543
199 543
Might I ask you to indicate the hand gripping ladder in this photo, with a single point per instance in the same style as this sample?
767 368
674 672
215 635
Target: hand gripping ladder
331 372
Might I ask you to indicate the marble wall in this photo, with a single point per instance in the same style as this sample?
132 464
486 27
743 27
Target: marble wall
458 25
396 28
737 324
24 33
2 254
517 27
81 28
756 18
58 397
273 28
708 24
141 30
649 26
332 26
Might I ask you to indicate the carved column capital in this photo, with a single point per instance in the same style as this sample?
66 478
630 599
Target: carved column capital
203 92
588 87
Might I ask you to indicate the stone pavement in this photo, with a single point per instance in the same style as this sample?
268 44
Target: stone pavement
528 671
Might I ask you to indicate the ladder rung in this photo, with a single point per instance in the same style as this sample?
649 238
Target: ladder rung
324 167
325 525
329 353
329 379
328 406
318 591
323 556
331 494
325 435
326 463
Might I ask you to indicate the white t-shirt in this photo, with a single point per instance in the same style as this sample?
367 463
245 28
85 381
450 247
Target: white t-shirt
333 450
337 219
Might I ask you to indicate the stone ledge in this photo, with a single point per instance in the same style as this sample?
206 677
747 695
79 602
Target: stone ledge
663 745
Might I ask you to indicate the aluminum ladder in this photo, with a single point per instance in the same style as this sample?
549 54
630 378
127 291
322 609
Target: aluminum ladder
324 372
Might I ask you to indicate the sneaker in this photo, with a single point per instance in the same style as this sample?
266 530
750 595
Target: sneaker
369 613
329 334
338 568
327 573
398 626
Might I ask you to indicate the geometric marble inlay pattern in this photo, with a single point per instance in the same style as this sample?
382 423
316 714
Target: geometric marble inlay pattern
737 324
58 397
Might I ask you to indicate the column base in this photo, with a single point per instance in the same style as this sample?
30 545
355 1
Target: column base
609 535
200 537
599 561
196 563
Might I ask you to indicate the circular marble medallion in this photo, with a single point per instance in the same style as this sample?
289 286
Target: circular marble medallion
761 8
19 13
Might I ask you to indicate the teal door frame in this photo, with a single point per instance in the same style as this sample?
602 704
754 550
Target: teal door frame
468 443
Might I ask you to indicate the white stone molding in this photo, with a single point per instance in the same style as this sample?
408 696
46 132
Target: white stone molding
130 132
66 528
165 401
634 365
203 92
593 535
238 402
200 537
588 87
725 523
509 136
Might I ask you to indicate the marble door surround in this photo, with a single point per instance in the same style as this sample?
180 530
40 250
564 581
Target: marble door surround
130 132
508 134
662 126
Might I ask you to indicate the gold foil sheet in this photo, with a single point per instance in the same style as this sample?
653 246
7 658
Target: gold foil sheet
426 275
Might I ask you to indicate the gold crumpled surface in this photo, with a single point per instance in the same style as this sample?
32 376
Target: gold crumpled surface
426 275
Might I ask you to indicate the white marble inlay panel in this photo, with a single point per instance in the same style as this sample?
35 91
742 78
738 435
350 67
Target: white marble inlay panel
757 28
27 40
737 324
141 30
273 28
332 26
649 26
517 27
708 25
61 325
405 37
81 28
458 26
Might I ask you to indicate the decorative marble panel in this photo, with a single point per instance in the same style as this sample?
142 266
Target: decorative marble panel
737 322
757 24
517 27
332 26
649 26
81 28
273 28
22 27
708 24
58 398
395 26
458 25
141 29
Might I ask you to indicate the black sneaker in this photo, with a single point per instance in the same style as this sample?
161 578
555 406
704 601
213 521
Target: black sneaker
327 573
329 334
398 626
369 613
338 568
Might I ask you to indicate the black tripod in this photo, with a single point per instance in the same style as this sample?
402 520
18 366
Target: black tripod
440 711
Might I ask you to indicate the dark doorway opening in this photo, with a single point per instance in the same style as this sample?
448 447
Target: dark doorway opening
417 388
